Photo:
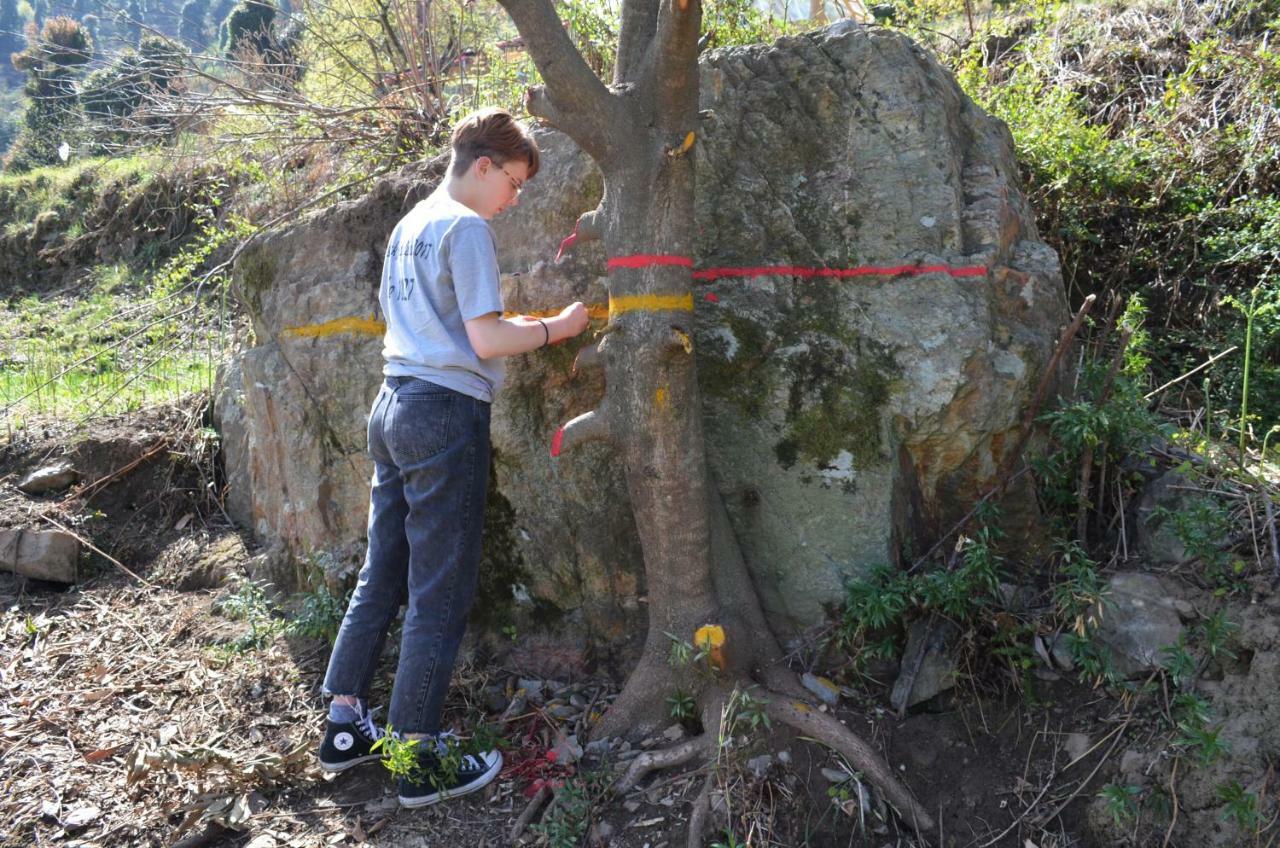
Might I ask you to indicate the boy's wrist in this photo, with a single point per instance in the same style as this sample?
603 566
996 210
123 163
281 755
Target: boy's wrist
546 332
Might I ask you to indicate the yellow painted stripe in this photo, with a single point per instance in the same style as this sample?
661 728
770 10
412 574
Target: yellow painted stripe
362 326
650 303
373 327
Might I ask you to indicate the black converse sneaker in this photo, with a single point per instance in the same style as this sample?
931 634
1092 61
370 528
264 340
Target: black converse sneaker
433 782
348 743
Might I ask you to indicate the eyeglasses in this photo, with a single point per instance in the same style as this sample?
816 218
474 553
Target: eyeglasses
516 185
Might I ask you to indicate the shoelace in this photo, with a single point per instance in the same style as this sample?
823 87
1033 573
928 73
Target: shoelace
370 728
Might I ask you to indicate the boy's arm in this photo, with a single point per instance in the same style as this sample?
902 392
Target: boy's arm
491 335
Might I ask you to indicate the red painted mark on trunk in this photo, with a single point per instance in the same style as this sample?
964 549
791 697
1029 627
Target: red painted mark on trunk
649 260
712 297
555 442
567 243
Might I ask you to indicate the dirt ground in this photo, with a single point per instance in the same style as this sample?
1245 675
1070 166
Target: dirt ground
137 712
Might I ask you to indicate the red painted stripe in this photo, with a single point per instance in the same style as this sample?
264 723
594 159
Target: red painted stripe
649 260
837 273
555 442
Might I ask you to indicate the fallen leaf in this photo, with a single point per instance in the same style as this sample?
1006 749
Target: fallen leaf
103 753
81 817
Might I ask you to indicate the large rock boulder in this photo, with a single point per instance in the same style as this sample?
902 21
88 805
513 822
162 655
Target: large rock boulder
874 311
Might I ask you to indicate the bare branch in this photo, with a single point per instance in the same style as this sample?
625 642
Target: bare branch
587 111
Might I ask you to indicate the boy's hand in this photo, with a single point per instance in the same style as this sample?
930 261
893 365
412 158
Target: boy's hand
571 321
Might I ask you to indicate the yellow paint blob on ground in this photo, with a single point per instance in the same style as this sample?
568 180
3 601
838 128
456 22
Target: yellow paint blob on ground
660 398
361 326
650 303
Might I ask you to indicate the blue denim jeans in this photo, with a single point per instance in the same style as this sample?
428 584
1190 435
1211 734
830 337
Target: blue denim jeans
430 449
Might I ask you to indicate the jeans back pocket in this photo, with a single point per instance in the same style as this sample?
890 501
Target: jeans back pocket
420 424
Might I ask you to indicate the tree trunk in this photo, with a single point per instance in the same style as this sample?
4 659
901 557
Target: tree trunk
641 133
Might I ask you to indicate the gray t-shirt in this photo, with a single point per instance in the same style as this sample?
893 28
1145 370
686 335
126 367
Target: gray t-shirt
440 269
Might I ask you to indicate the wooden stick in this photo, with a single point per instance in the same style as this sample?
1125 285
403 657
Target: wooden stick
1149 395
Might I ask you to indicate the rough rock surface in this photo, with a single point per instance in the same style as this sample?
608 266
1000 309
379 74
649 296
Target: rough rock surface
43 554
1243 708
1139 620
847 418
50 478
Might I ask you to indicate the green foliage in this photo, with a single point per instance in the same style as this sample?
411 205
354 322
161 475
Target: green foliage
399 755
1179 663
249 26
961 591
51 61
1216 632
682 705
125 339
250 602
320 614
744 713
1147 189
1202 742
112 95
1202 526
570 819
1121 802
1240 806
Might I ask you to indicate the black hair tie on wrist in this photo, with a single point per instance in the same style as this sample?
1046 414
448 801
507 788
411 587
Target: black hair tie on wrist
546 333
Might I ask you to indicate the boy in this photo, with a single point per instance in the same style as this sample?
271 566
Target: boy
429 439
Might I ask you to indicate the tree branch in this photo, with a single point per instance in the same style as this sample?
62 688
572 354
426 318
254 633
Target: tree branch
676 65
586 109
639 24
588 427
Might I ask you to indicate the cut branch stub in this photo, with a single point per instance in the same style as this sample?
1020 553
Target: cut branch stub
588 427
589 358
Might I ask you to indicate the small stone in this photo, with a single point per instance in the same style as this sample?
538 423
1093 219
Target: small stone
578 701
835 775
598 747
674 733
51 478
567 750
562 711
42 554
1062 653
1076 745
784 757
495 698
80 817
827 692
631 806
759 766
603 831
532 689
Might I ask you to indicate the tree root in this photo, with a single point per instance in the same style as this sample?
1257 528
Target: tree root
827 730
650 761
700 813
